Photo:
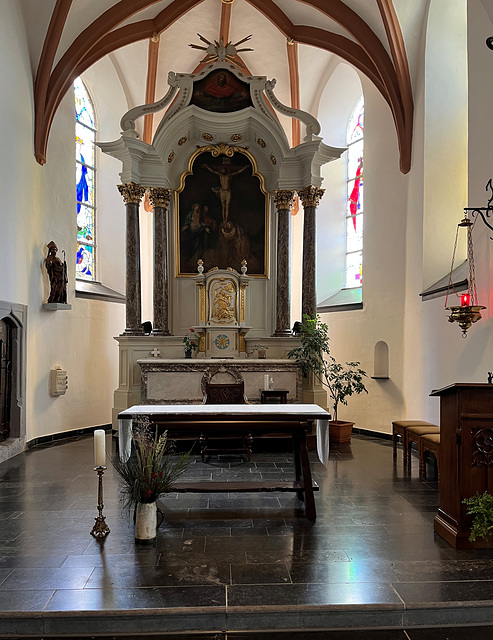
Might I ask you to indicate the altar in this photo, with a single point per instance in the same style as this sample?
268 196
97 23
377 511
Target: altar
183 380
223 186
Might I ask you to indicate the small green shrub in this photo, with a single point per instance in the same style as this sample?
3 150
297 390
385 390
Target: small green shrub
481 507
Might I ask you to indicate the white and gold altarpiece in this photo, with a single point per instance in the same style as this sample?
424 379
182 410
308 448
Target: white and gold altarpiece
220 156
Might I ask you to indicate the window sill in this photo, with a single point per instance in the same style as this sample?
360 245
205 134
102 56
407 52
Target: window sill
439 289
97 291
343 300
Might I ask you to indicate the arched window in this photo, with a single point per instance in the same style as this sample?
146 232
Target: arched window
85 134
354 209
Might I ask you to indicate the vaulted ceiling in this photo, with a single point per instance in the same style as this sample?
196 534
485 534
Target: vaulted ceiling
292 40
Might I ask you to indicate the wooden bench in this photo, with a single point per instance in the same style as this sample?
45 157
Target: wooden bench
413 434
428 443
399 429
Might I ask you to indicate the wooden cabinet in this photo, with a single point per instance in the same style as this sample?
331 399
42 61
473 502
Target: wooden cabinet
466 457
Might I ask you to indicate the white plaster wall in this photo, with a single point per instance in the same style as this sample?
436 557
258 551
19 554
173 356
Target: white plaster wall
39 206
353 334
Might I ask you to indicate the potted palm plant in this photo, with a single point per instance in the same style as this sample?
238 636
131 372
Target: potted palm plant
341 380
147 474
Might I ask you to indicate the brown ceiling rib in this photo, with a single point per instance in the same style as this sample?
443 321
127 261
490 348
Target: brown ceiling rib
398 50
152 60
73 62
225 22
367 54
294 85
50 46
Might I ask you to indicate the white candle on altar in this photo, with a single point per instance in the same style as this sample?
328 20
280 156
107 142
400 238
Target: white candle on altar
99 448
266 381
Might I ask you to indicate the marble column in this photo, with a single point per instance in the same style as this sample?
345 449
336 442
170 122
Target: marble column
284 201
310 197
159 199
132 195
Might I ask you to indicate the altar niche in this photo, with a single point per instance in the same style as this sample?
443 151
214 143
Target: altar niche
221 213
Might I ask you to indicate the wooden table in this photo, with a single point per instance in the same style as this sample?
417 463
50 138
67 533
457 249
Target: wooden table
191 420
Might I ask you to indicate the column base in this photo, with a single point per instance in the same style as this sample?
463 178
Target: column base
133 332
282 333
160 332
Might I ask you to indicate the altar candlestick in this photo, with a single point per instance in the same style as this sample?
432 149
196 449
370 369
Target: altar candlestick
99 448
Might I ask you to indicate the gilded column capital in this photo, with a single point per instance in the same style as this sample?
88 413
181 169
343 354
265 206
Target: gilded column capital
159 196
131 192
284 199
310 196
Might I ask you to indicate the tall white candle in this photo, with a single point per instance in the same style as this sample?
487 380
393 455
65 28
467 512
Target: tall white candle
266 381
99 448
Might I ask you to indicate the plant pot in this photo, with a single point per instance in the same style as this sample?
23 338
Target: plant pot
145 523
188 353
340 431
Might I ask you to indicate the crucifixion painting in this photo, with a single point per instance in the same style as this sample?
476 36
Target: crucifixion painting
222 216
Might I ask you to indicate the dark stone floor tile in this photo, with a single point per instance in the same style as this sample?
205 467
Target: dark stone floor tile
457 633
173 558
160 576
46 578
313 594
260 574
287 556
343 572
32 562
248 543
149 557
433 593
131 599
443 571
33 600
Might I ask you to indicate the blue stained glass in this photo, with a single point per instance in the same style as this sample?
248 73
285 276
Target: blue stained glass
85 225
84 267
85 135
84 110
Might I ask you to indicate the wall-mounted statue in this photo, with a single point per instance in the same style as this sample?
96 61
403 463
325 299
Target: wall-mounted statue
57 272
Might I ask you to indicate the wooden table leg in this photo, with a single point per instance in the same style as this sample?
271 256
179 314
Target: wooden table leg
310 509
297 463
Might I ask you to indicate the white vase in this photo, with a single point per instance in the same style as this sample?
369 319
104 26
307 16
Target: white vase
145 523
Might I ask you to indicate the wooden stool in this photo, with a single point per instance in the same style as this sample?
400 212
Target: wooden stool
399 429
430 442
413 434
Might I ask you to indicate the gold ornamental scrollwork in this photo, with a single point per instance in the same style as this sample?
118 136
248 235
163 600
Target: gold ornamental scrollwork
236 137
261 143
159 196
201 287
310 196
182 141
284 199
131 192
208 137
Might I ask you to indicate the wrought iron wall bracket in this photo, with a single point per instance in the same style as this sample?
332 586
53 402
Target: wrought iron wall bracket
484 212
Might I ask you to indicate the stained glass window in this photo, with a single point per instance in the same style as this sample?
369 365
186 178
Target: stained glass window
354 198
85 173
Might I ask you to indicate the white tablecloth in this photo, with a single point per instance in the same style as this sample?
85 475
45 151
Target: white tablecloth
304 410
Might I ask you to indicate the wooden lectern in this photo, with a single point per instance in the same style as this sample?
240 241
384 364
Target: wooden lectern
466 458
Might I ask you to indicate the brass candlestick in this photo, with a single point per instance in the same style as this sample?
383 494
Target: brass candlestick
100 529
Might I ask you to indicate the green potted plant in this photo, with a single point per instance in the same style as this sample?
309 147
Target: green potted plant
147 474
190 343
260 350
481 507
341 380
